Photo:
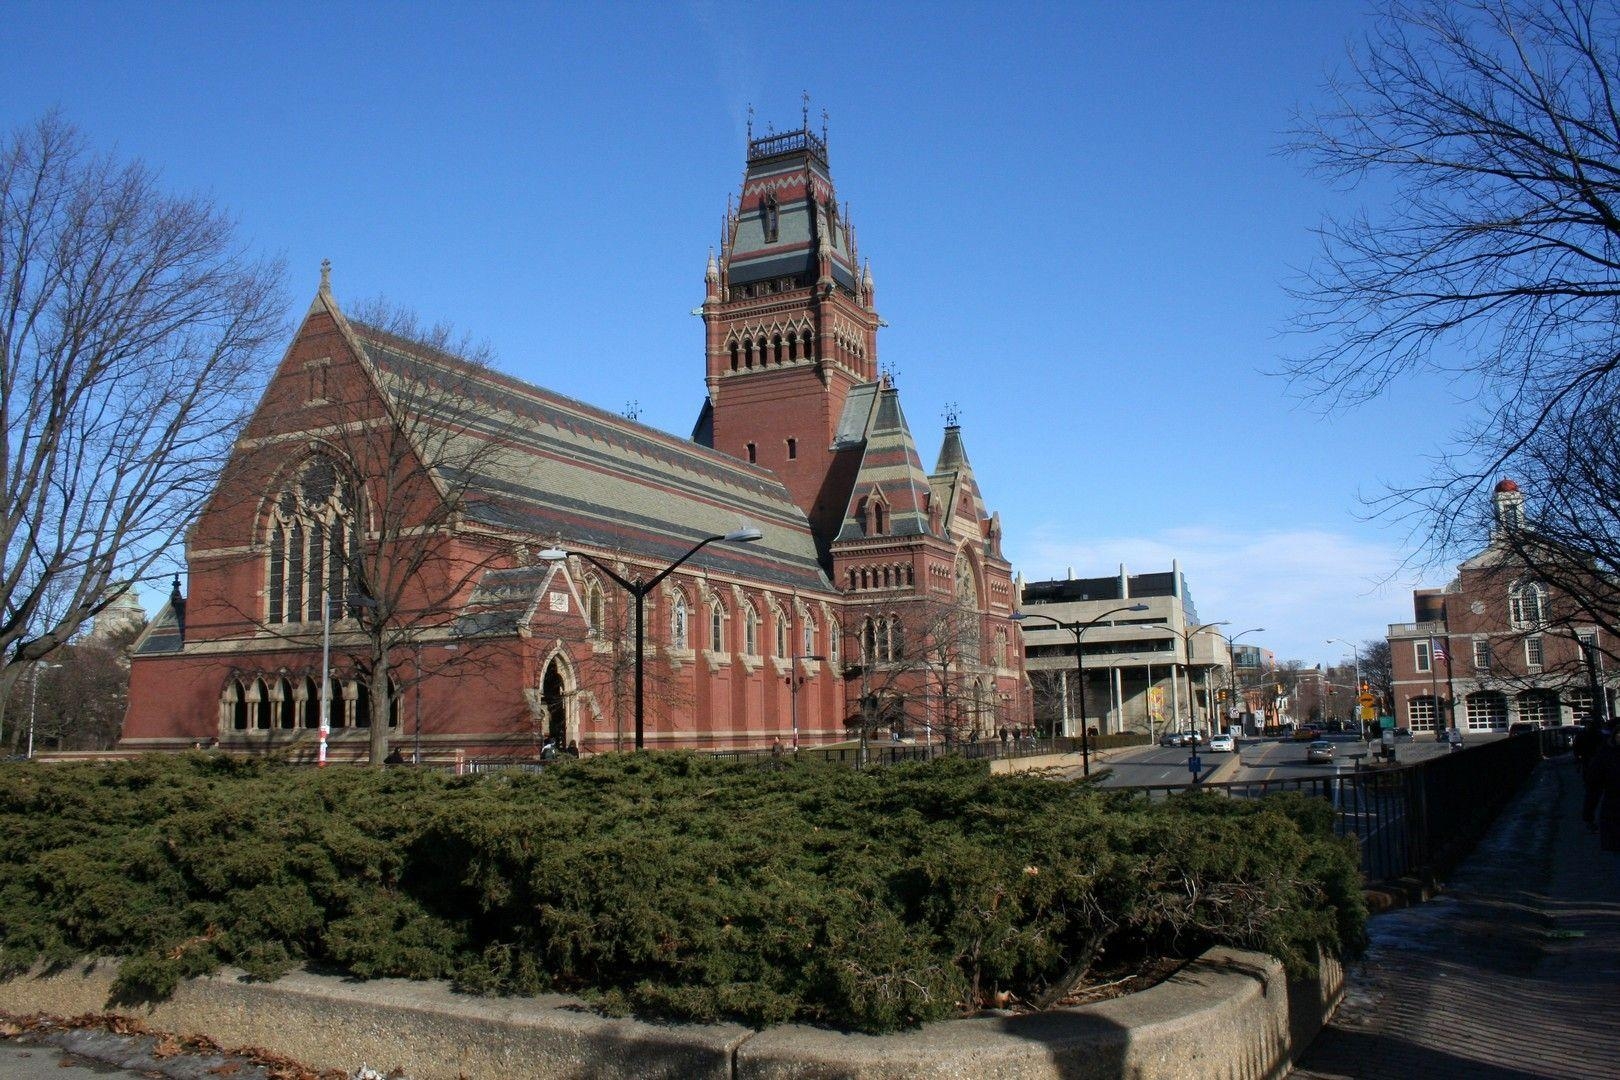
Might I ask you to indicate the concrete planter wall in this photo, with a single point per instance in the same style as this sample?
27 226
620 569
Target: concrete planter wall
1230 1014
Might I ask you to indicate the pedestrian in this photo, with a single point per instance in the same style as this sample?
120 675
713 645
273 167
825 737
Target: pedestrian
548 750
394 757
572 749
1601 808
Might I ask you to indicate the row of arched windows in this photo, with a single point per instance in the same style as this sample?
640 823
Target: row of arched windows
765 350
1487 710
895 576
287 703
680 626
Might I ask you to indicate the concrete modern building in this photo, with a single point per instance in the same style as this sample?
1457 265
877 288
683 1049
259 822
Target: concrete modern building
1143 670
1496 646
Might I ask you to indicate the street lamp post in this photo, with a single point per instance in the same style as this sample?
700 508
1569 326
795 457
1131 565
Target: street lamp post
639 588
1186 642
326 669
1355 652
33 702
1231 668
1079 629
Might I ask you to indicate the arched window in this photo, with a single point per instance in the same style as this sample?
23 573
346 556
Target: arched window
734 362
312 533
809 640
781 620
677 623
595 609
897 639
868 642
750 631
717 627
834 647
1527 603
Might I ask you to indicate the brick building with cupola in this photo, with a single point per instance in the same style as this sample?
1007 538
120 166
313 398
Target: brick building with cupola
410 503
1498 645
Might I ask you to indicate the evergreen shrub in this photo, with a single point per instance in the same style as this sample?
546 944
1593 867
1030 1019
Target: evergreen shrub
662 884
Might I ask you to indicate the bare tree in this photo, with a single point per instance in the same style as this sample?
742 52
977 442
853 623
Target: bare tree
1378 670
1497 259
132 322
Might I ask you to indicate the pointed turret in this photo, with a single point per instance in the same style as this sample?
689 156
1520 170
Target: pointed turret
890 496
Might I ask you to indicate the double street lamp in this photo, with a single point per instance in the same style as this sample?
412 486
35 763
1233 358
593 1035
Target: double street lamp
1079 629
1231 664
639 588
1357 654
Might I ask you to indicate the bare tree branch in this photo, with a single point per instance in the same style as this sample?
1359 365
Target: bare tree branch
132 323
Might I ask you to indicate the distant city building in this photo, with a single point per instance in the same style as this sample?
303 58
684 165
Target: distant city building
1497 646
1144 670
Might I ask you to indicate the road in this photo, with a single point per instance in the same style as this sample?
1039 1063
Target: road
1262 759
18 1062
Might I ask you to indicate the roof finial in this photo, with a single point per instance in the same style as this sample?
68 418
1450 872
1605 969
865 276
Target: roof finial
824 126
951 415
326 275
804 110
750 123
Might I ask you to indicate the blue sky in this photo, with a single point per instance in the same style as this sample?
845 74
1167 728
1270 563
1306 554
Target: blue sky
1078 217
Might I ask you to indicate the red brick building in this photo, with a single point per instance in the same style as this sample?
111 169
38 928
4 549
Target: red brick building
1497 646
427 486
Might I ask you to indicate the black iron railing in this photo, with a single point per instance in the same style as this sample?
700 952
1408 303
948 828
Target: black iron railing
1413 820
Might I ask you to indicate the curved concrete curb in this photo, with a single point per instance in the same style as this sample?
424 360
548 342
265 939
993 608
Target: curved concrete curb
1229 1013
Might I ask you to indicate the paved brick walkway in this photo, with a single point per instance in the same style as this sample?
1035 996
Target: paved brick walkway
1513 972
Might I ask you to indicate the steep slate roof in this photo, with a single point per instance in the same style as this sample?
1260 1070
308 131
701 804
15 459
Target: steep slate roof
558 468
162 635
503 601
890 465
955 489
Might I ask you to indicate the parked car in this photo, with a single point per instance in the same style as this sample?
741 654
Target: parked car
1522 727
1319 751
1191 738
1222 743
1170 738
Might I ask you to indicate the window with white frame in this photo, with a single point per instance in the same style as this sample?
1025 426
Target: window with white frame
1421 713
834 632
1532 651
595 608
1482 655
1589 646
809 648
717 627
1527 604
750 631
781 620
1420 653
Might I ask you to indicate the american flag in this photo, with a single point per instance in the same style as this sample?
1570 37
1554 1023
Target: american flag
1438 648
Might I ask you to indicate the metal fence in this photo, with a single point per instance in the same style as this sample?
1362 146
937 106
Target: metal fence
1413 820
888 753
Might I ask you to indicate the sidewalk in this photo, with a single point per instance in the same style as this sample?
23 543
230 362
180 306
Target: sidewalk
1512 972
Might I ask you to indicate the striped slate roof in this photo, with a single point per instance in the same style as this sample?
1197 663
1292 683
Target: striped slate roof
890 465
954 486
162 635
502 602
557 469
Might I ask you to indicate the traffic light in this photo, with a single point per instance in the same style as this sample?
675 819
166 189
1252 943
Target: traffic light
1220 695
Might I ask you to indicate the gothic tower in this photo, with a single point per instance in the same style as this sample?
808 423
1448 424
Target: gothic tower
791 327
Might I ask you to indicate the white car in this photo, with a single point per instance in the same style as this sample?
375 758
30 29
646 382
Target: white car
1218 743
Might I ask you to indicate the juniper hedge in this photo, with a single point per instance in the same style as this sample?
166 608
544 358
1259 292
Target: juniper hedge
662 884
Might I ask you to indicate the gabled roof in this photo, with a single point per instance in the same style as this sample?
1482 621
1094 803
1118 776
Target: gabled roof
162 635
548 467
890 469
